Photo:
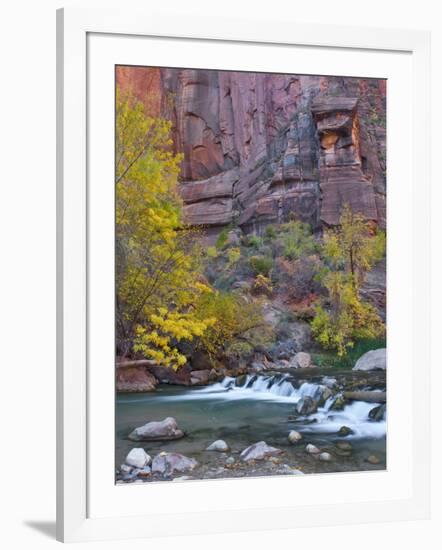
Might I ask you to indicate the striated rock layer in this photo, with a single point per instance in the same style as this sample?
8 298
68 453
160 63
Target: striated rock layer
263 148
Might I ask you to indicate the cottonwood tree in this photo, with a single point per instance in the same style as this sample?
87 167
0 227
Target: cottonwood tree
157 260
349 251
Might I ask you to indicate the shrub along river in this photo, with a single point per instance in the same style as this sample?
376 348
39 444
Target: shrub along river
254 408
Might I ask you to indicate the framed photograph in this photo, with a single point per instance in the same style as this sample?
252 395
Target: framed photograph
243 284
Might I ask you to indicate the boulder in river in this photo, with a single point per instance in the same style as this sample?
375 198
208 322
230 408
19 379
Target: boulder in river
166 375
377 413
157 431
306 405
138 458
344 431
325 457
199 377
375 359
169 463
373 459
344 446
135 379
338 403
312 449
259 451
294 437
219 445
329 381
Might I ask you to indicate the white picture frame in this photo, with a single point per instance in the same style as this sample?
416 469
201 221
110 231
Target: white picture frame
85 510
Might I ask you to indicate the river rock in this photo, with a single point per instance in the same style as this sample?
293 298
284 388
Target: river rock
294 437
301 360
199 377
344 431
338 403
306 405
219 445
166 375
312 449
126 469
321 394
138 458
230 460
157 431
377 413
325 457
135 379
373 459
344 446
372 360
241 380
329 382
168 463
145 472
259 451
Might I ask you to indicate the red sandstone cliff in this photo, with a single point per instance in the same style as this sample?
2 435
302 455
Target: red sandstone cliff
264 148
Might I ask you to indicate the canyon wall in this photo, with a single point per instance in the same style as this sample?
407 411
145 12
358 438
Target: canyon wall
266 148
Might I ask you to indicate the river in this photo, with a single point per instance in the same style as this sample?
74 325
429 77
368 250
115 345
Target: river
262 409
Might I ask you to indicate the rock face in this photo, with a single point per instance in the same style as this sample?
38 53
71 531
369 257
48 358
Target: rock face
157 431
372 360
135 379
301 360
264 148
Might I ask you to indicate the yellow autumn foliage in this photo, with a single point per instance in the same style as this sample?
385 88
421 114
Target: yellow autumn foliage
157 258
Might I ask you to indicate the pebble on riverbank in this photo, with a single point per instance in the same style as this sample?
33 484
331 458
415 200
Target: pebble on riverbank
294 437
312 449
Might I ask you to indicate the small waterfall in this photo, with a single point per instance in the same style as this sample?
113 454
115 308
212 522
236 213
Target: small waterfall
278 388
270 387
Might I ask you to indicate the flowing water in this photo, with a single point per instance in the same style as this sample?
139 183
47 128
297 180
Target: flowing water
262 408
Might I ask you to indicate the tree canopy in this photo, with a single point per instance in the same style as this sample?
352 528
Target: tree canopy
157 260
349 251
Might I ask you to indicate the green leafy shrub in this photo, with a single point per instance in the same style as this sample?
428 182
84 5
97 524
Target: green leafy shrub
222 239
261 265
255 241
270 232
233 256
232 317
212 252
297 240
347 361
350 250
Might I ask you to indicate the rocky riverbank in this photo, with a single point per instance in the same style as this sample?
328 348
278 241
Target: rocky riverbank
328 421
